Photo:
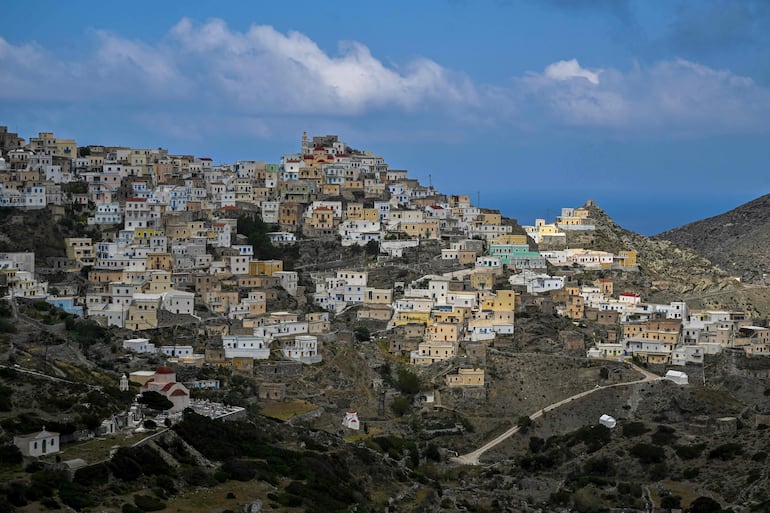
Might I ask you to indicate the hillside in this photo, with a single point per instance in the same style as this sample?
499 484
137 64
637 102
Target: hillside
668 271
738 241
663 264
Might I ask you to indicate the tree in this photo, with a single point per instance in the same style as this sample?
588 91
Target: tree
400 406
604 373
155 401
373 248
671 502
408 381
362 334
704 505
524 423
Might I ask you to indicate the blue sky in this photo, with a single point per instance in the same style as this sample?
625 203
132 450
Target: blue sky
658 110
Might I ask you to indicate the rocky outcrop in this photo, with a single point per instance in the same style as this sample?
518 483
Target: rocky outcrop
662 263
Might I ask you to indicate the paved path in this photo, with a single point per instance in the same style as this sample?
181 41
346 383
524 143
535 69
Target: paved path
472 458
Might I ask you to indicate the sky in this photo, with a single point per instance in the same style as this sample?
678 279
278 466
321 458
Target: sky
659 110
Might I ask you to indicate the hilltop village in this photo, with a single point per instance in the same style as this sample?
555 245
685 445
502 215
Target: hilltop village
169 252
202 273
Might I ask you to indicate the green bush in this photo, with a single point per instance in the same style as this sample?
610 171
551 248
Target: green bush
690 452
594 437
726 452
240 470
401 406
599 466
148 503
647 453
50 503
7 326
704 505
10 456
691 473
166 482
93 475
76 496
408 382
130 508
47 481
664 435
633 429
524 423
536 444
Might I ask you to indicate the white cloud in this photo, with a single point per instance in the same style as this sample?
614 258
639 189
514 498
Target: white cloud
265 69
567 70
207 71
674 96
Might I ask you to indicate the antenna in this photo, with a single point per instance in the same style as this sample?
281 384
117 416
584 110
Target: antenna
478 199
430 180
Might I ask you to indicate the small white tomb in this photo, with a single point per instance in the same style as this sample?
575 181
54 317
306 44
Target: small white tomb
351 420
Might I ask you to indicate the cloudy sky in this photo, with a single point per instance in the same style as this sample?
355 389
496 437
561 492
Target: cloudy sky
659 110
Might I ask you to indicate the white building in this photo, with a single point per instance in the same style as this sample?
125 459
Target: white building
680 378
303 348
37 444
350 420
607 421
177 351
139 345
246 346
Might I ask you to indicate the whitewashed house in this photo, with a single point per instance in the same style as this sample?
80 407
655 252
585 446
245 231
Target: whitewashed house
37 444
303 348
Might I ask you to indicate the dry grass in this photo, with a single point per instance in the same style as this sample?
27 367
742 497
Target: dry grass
215 498
357 437
284 410
98 449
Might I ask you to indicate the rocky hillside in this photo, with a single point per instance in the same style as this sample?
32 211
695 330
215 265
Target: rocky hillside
737 241
663 264
668 271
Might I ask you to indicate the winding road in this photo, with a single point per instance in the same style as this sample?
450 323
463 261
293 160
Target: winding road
472 458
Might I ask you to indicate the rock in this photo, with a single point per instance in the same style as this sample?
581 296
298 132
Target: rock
254 507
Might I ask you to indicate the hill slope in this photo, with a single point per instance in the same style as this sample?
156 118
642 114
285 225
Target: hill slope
668 271
737 241
662 263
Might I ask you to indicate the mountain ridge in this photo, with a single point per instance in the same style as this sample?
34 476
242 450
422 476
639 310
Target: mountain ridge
737 240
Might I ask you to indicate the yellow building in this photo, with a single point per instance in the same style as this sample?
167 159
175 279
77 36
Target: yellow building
370 214
378 296
428 229
354 211
159 282
162 261
403 318
266 267
432 351
510 238
503 300
143 313
466 378
80 250
493 218
443 332
456 316
482 280
626 259
142 235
